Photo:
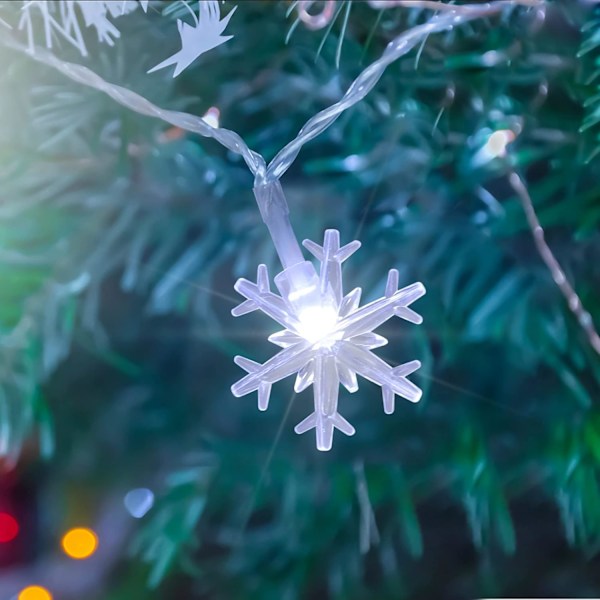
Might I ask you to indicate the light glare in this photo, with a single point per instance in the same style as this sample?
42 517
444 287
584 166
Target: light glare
316 323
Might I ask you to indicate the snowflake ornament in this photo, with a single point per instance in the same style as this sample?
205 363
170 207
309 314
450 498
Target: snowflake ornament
205 35
327 338
61 19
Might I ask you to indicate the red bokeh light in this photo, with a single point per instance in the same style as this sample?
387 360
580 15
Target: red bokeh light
9 528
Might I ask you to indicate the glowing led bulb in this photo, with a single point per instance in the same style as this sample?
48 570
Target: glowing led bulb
317 323
80 543
497 142
138 502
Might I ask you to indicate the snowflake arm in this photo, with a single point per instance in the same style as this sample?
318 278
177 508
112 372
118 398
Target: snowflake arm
95 14
282 365
62 18
259 297
327 341
197 39
392 380
331 257
325 418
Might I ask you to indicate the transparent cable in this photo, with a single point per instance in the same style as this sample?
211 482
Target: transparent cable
137 103
365 82
327 338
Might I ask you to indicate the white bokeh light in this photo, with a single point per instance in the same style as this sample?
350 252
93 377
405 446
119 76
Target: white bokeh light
138 502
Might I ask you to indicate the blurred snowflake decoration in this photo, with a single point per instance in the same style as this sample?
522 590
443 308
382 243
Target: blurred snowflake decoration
62 19
328 342
204 35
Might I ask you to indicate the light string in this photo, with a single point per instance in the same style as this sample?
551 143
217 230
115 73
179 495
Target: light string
361 86
266 176
137 103
434 5
322 19
268 192
369 77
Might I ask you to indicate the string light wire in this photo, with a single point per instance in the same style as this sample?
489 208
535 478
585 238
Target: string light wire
451 16
137 103
361 86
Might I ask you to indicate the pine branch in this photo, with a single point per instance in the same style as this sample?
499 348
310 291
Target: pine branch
589 53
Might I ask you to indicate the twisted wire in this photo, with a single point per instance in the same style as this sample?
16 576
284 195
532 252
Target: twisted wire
230 139
365 82
361 86
451 17
435 4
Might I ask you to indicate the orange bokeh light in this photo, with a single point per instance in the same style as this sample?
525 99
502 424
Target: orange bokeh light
35 592
80 543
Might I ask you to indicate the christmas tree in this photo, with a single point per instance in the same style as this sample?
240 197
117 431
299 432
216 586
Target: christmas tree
158 160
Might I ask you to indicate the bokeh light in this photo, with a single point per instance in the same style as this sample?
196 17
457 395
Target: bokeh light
35 592
497 142
80 543
9 528
139 501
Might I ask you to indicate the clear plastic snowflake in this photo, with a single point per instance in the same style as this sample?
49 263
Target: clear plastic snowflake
327 339
61 19
204 35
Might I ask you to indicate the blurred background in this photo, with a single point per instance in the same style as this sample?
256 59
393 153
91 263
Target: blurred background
130 471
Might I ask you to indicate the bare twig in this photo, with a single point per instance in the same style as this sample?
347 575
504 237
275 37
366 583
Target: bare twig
558 275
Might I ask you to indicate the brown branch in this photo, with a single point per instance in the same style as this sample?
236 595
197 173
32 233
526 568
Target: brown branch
558 275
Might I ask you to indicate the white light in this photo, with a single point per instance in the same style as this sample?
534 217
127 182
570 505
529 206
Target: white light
316 323
354 162
138 502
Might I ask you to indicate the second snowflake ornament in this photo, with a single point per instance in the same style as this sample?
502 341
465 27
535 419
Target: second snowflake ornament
327 338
